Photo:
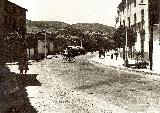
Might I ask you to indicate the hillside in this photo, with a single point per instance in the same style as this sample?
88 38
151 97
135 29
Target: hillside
35 26
94 27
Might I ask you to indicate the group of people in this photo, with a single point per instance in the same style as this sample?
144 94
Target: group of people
102 53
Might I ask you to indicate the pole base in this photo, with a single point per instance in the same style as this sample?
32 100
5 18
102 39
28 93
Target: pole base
126 63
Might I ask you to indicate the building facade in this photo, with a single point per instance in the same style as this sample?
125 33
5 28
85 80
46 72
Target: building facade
12 30
38 52
142 16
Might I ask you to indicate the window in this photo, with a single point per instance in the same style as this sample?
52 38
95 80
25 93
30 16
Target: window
128 4
142 16
129 22
135 18
124 22
123 9
142 1
134 3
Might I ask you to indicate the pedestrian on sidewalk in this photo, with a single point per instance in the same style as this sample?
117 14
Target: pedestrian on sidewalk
102 53
23 65
111 56
116 54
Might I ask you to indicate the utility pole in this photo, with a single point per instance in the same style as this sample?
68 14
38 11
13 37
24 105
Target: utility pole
150 17
45 54
81 42
126 41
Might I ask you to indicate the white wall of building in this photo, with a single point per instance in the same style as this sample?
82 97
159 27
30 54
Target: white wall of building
156 32
156 48
41 48
30 53
132 10
156 55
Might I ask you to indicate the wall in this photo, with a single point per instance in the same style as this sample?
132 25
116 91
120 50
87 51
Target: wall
2 6
156 48
41 49
30 54
12 17
15 17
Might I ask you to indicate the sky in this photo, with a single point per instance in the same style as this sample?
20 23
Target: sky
71 11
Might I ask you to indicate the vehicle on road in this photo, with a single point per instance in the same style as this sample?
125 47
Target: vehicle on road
71 51
77 50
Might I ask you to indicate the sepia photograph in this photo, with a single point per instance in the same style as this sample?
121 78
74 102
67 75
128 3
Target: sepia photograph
79 56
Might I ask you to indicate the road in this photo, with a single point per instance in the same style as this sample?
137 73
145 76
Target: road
82 87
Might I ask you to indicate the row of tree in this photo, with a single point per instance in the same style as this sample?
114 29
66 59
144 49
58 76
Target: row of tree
92 36
91 41
119 37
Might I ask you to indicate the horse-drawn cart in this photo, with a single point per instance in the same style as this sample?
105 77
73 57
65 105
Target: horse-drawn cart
71 51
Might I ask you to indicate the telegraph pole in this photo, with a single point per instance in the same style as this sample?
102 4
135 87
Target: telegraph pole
126 41
81 42
45 54
44 31
150 17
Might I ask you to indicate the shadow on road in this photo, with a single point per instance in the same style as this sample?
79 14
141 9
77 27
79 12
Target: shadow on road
13 94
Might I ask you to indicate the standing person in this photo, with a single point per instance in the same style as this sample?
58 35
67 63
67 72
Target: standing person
100 53
20 64
23 65
70 53
112 56
116 54
103 52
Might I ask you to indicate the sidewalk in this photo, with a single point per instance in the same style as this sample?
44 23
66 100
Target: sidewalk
118 64
13 93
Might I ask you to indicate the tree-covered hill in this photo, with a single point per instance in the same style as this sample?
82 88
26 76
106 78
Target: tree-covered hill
95 27
93 35
35 26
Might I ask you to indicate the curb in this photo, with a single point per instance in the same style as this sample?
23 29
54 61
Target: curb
126 69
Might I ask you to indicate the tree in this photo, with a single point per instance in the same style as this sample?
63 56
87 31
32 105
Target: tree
120 37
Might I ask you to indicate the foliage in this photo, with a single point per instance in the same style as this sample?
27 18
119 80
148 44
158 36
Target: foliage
62 34
95 27
120 37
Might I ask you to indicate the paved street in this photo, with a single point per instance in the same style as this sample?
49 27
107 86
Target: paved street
82 87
